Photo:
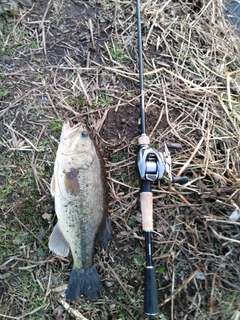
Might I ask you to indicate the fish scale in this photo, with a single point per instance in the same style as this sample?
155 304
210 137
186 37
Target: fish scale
83 212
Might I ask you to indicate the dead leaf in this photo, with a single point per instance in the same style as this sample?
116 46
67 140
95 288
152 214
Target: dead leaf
47 216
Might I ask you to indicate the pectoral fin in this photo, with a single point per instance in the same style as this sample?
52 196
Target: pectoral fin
53 185
57 242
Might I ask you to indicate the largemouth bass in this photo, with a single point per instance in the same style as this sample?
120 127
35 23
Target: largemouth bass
79 187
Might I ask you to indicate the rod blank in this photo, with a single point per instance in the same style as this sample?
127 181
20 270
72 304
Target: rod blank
150 285
140 61
150 294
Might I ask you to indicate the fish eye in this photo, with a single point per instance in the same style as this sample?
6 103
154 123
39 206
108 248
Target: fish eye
84 134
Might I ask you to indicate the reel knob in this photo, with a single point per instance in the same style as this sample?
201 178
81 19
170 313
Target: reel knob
180 180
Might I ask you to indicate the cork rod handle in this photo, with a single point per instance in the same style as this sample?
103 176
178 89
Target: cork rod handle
146 201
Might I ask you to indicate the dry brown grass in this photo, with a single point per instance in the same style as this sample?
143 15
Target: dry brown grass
59 62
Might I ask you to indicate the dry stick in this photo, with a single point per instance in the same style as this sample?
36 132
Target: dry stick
206 158
192 181
167 44
222 237
188 48
154 21
157 123
180 195
236 315
84 90
179 288
228 115
115 106
26 139
194 22
229 283
214 14
123 184
191 157
49 284
159 118
227 168
167 115
62 102
205 66
31 312
212 295
90 25
172 298
73 312
22 16
3 266
15 103
42 26
185 81
120 282
37 180
128 27
101 121
120 164
5 166
23 225
52 104
3 316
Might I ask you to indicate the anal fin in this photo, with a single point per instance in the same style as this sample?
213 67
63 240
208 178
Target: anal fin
57 242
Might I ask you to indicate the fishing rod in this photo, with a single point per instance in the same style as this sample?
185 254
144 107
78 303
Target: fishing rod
151 167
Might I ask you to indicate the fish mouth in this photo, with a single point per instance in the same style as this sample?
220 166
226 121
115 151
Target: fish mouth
70 130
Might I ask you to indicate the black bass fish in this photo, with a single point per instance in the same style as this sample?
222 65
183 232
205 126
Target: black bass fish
79 187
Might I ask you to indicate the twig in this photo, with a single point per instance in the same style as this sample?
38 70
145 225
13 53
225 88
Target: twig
90 25
25 138
8 317
179 288
24 315
42 26
186 164
212 299
219 236
120 282
49 284
73 312
172 297
222 221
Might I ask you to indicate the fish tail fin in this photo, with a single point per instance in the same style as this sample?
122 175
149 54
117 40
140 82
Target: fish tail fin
84 282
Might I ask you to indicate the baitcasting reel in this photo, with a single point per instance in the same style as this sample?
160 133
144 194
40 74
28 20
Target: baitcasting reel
153 164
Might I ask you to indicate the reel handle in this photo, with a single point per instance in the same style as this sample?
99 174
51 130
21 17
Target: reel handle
180 180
